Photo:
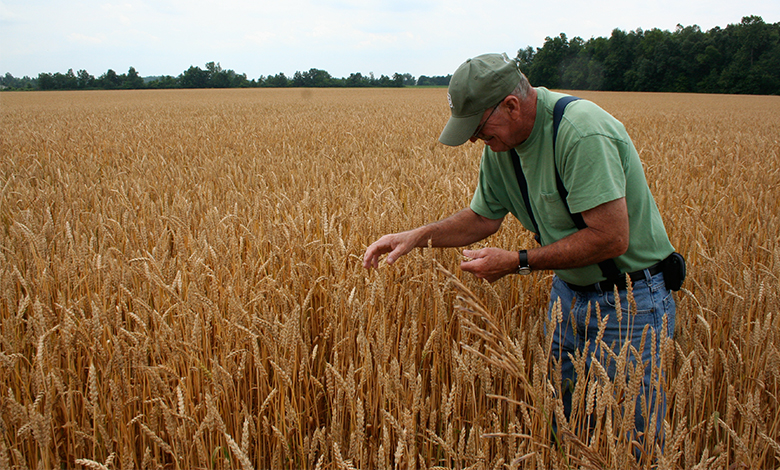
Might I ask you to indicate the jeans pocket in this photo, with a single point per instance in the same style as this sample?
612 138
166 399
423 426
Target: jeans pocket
642 295
670 310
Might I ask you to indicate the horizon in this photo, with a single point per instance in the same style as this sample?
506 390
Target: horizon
338 36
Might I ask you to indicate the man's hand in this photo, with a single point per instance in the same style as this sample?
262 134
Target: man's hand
397 244
490 263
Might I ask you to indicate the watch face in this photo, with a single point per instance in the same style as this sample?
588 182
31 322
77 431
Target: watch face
523 270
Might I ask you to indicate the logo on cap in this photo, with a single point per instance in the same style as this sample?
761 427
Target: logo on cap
449 100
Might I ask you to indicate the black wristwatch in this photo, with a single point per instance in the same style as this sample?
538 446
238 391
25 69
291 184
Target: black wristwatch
522 266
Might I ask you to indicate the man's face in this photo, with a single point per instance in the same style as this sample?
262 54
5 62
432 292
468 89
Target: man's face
496 128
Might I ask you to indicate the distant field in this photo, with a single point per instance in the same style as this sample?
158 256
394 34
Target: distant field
181 287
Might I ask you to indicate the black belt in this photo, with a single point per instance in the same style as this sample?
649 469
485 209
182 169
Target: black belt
620 282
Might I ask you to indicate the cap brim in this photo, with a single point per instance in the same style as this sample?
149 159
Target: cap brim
459 130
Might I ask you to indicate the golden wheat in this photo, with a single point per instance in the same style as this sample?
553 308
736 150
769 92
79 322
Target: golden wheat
181 287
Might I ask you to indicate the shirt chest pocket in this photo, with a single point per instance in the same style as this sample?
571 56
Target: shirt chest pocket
553 212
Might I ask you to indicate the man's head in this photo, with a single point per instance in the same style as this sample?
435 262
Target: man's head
479 84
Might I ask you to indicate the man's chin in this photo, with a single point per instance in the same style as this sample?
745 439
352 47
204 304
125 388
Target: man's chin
497 147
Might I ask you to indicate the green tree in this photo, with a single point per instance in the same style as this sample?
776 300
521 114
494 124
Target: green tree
691 43
742 58
575 66
238 80
312 78
619 59
656 64
356 80
383 81
9 81
194 77
84 80
133 80
70 82
216 77
109 80
45 81
166 81
546 69
754 65
408 79
319 78
754 37
525 57
277 81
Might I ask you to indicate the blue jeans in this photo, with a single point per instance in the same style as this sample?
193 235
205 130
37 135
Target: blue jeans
653 301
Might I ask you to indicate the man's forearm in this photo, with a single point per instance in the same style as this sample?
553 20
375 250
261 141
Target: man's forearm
575 251
605 237
460 229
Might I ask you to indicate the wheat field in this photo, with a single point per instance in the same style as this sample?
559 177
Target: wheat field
181 287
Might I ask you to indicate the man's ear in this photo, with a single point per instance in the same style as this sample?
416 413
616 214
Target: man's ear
512 105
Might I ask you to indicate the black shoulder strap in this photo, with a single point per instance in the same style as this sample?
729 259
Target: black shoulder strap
524 191
608 267
560 106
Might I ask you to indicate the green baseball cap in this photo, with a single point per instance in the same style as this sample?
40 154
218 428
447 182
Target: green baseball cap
479 84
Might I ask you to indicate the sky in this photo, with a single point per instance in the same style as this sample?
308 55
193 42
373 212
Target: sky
266 37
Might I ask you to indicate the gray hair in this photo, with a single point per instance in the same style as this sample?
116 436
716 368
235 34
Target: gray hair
521 90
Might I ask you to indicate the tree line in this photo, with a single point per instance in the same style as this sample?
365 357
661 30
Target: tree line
212 76
741 58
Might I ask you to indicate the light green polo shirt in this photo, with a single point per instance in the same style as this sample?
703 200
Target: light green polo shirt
597 162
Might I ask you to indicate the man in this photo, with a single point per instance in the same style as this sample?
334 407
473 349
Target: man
491 100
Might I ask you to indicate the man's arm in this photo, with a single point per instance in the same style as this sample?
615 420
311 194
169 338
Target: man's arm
460 229
605 237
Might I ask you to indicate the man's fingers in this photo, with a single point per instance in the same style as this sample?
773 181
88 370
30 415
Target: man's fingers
369 262
486 263
371 258
396 244
397 252
472 254
377 249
